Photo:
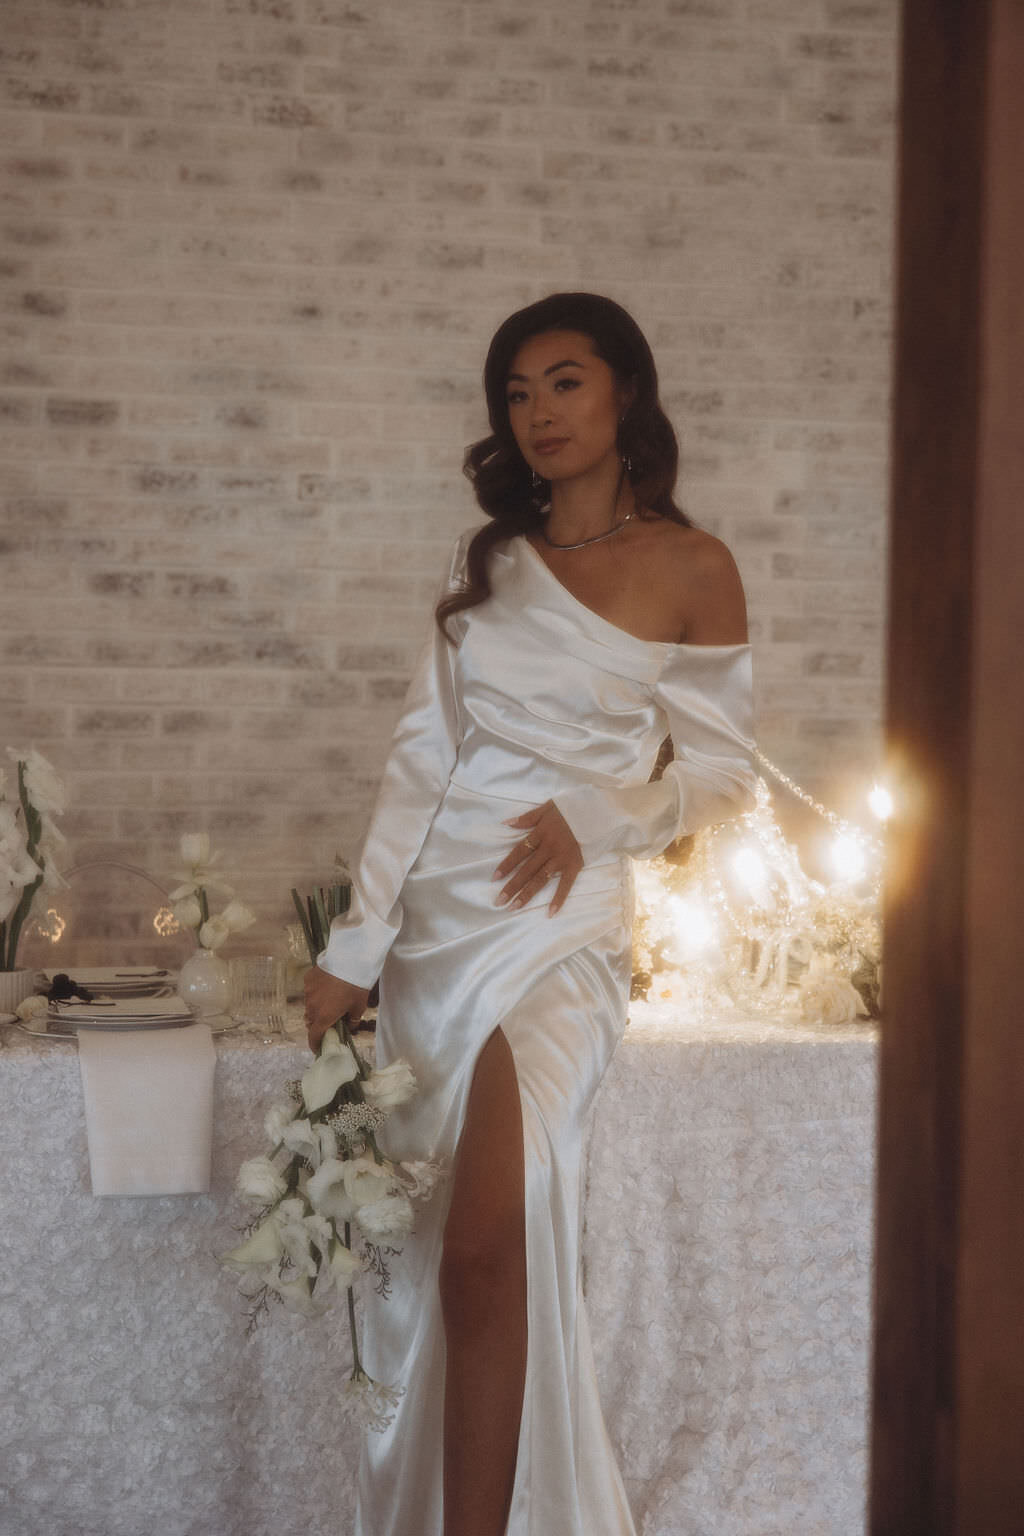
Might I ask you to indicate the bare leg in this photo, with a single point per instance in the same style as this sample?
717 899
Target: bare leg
483 1298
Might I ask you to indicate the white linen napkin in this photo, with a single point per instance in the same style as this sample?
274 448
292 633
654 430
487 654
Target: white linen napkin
148 1109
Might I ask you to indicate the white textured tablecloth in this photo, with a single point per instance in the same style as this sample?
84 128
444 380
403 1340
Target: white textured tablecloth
728 1259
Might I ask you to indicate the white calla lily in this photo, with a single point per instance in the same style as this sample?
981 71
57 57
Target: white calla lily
263 1246
343 1264
334 1067
327 1193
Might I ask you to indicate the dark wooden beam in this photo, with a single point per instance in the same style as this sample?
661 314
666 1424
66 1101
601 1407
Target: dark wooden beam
950 1218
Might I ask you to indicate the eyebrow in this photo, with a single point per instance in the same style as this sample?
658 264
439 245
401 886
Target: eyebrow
567 362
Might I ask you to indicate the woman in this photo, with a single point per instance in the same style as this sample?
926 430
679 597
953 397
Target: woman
577 628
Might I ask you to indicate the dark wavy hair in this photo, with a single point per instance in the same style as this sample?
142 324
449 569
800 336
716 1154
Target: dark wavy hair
500 476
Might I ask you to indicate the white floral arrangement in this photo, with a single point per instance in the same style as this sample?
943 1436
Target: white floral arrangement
191 899
325 1189
29 842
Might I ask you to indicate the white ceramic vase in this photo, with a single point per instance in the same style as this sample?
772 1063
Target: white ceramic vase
15 986
204 983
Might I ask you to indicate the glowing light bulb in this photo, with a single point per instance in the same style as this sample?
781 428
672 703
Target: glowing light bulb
694 929
880 801
848 860
751 872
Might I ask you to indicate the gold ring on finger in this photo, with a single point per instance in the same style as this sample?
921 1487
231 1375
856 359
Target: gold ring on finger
527 843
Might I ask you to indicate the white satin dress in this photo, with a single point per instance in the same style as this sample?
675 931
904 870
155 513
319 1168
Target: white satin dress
539 699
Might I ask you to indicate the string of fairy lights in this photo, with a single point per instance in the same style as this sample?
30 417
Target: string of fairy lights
730 918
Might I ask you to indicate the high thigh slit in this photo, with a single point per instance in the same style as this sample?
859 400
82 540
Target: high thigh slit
483 1299
539 699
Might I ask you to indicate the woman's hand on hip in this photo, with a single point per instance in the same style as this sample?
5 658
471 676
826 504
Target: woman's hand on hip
327 1000
547 851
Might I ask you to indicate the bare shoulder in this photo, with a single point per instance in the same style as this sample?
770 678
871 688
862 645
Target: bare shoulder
698 575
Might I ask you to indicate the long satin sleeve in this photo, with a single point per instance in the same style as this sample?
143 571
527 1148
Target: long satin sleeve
419 765
706 694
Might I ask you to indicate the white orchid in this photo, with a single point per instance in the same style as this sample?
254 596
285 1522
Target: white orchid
29 843
195 849
237 916
213 933
44 788
188 912
334 1067
190 901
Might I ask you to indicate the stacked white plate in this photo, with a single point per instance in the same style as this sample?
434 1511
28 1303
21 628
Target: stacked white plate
120 1013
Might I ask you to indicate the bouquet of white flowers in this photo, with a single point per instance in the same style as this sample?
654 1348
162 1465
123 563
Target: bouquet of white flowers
325 1186
29 839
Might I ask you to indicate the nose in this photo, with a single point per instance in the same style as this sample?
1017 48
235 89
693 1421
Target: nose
541 411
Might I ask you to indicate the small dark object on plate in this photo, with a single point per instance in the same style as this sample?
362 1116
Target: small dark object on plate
62 989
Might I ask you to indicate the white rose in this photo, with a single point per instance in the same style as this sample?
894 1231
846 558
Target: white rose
334 1066
276 1119
32 1008
297 1235
366 1180
389 1086
188 912
832 999
386 1219
213 933
258 1179
237 916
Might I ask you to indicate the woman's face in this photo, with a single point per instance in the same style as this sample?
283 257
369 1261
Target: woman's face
564 405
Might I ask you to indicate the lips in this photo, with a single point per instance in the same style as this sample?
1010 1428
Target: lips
549 444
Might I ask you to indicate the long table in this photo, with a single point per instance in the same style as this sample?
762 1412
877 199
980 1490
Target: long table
728 1255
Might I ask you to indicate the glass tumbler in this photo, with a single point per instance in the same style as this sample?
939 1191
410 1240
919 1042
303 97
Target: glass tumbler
258 986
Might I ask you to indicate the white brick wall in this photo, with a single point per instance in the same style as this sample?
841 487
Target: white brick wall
251 254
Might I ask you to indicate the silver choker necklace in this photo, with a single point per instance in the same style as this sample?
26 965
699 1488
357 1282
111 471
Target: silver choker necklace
595 538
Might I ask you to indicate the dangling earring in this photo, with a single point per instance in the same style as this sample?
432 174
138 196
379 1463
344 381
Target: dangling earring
627 465
535 479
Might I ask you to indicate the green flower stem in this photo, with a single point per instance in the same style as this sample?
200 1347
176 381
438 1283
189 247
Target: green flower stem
11 930
204 904
357 1364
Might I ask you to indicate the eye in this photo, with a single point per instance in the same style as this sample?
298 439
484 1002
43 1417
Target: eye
516 396
567 382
